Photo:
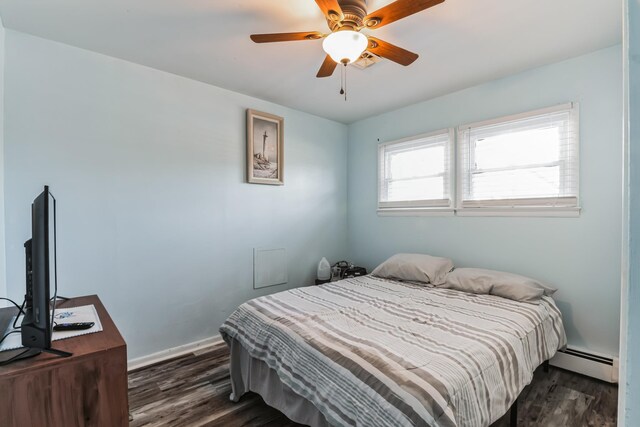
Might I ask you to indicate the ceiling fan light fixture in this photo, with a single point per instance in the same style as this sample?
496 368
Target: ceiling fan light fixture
345 46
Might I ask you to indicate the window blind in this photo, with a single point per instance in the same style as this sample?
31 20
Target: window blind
415 172
526 160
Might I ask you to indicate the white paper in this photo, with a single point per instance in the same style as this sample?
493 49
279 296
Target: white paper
85 313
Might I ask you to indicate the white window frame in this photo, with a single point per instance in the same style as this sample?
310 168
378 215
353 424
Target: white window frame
442 207
552 207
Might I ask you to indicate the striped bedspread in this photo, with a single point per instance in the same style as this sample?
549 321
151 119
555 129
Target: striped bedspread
374 352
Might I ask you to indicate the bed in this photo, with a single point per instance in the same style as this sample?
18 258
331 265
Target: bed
371 352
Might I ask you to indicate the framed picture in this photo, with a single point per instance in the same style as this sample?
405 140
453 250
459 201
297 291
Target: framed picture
265 148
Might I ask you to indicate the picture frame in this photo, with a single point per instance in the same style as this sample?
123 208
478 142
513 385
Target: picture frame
265 148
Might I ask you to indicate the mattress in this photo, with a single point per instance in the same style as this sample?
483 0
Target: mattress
374 352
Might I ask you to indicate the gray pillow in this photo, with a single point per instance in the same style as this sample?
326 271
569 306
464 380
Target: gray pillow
506 285
415 268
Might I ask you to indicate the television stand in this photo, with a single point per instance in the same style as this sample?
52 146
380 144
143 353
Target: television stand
87 388
56 352
33 352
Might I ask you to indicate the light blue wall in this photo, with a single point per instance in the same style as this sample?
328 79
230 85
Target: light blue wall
631 369
3 276
3 283
581 256
148 169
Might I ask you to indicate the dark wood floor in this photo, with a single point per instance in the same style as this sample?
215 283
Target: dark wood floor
193 390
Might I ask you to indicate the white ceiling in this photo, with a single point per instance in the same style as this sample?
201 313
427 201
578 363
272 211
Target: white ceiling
460 42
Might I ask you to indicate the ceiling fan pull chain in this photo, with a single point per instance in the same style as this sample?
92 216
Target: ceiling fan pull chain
345 82
341 81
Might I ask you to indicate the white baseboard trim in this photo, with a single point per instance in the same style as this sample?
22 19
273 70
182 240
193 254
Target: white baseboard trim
170 353
594 365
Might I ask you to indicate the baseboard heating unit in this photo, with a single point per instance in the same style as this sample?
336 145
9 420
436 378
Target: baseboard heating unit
593 365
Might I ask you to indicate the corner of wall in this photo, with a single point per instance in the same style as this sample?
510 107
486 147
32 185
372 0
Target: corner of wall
628 413
3 281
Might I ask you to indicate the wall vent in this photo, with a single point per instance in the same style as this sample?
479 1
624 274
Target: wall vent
587 363
269 267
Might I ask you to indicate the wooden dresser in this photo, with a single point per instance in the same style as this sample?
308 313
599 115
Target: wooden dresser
86 389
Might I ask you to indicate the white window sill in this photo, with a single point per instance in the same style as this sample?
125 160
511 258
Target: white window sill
557 212
416 212
549 212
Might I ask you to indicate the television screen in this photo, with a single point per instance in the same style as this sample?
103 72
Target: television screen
37 323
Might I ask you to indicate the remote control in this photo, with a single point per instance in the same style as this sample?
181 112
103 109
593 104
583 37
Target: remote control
73 326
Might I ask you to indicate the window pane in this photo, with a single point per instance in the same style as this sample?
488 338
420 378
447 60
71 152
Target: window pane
518 183
416 189
519 148
416 162
529 156
415 172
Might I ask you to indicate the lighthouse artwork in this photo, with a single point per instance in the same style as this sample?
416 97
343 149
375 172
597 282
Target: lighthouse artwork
265 148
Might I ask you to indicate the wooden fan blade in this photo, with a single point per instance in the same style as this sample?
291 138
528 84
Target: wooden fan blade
397 10
286 37
327 68
391 52
331 9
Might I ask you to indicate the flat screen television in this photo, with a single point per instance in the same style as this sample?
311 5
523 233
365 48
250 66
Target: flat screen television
41 275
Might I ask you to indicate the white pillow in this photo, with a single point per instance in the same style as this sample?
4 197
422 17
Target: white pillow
506 285
415 268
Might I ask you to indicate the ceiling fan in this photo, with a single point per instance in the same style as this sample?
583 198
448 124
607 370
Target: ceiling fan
345 43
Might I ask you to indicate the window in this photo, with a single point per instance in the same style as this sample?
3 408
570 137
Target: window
524 161
415 172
